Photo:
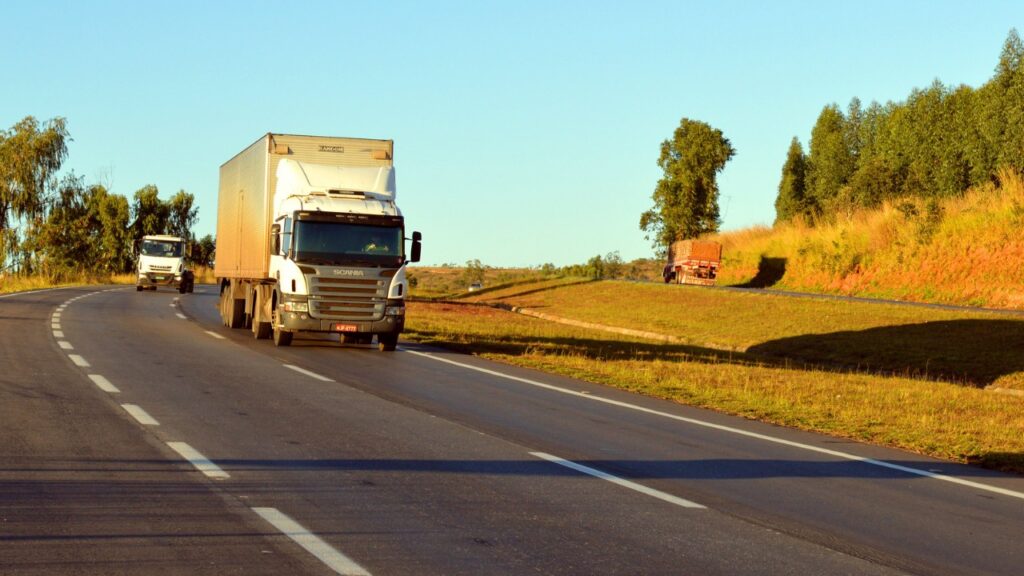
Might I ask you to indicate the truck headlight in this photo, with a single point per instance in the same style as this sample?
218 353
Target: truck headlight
395 311
295 306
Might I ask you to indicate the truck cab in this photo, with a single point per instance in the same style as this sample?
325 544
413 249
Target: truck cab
161 262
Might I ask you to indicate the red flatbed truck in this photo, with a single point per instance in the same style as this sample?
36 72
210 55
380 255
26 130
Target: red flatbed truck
693 262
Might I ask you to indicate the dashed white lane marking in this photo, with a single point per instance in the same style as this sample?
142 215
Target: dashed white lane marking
737 431
56 316
58 334
139 414
180 315
312 543
308 373
215 335
65 345
201 463
104 384
79 361
172 304
620 481
55 326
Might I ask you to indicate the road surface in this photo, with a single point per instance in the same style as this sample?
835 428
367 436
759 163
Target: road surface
139 436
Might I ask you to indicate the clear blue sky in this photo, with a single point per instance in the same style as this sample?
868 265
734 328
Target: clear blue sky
525 131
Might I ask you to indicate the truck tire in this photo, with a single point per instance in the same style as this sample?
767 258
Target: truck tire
182 288
138 287
281 337
261 330
387 342
232 310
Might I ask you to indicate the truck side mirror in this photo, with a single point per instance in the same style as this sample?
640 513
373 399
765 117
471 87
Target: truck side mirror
275 234
416 238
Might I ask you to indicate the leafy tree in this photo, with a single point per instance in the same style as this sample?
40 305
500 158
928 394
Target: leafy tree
830 161
205 251
686 197
30 156
115 243
181 215
792 200
474 272
614 267
594 268
151 215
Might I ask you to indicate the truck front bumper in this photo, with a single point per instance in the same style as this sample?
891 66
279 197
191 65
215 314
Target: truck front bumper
302 322
162 279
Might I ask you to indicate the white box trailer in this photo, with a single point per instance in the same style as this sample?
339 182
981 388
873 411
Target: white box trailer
310 239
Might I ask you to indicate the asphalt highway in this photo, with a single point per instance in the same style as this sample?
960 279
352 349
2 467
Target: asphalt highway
140 436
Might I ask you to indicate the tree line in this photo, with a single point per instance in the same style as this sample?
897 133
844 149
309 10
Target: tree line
939 142
51 225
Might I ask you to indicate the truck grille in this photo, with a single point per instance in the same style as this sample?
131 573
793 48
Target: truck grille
355 299
159 268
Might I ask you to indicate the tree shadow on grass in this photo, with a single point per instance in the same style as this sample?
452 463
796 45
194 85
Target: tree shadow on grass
769 272
967 352
975 352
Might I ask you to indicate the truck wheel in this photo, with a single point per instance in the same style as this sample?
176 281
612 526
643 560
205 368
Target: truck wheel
191 286
232 310
182 288
138 287
281 338
237 313
387 342
261 330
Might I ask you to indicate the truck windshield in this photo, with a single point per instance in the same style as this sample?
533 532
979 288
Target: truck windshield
164 248
342 243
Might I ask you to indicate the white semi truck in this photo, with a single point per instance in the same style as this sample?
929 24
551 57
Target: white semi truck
309 239
161 262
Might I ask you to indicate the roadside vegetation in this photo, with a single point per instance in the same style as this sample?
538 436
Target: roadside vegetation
57 229
908 377
965 250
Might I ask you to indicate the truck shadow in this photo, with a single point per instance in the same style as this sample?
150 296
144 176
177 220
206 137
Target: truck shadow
769 272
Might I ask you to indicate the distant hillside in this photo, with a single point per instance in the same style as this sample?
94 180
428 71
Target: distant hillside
965 250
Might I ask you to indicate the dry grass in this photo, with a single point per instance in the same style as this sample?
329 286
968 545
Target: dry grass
941 419
965 250
971 348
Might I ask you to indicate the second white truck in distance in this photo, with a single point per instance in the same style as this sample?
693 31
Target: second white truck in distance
310 239
161 262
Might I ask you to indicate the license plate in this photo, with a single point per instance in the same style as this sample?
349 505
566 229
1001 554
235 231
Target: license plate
158 277
344 328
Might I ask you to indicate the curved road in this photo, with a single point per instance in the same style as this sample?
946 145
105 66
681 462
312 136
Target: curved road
139 436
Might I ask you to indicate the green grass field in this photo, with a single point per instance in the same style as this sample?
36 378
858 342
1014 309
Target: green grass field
908 377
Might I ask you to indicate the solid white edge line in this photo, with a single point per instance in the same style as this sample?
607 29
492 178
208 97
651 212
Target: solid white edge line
139 414
200 462
737 431
104 384
619 481
214 334
312 543
308 373
13 294
65 345
79 361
